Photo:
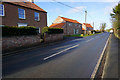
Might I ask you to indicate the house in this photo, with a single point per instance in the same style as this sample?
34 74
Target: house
87 28
70 26
22 14
83 30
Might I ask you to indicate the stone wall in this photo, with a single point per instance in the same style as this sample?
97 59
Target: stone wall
19 41
11 43
52 37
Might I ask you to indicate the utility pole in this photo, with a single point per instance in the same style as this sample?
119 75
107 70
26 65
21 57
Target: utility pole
85 21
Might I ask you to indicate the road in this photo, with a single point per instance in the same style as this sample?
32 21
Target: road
72 59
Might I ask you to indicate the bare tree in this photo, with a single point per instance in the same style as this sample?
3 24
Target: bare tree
102 27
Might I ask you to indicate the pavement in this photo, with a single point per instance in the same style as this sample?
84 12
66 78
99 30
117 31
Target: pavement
112 64
76 58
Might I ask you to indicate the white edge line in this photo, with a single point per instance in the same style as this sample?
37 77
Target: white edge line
60 52
98 63
89 39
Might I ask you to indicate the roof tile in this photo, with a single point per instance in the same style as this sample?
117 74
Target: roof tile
57 25
88 25
28 5
70 20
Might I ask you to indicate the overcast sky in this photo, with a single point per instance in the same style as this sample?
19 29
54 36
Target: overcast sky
97 12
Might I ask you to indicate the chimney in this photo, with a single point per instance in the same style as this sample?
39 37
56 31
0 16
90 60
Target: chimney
32 1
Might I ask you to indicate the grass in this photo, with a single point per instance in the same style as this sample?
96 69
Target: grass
75 35
79 35
117 36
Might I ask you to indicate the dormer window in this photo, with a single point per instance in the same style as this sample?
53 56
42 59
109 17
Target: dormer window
1 10
36 15
21 13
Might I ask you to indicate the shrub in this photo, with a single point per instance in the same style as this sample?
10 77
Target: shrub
50 30
18 31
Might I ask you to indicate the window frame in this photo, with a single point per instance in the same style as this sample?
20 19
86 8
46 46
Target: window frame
22 24
20 14
38 16
3 10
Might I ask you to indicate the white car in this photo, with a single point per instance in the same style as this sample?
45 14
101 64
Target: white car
111 31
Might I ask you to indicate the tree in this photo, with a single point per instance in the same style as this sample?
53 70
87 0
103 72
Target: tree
115 15
102 27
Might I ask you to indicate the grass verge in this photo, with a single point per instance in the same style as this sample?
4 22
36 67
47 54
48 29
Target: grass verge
79 35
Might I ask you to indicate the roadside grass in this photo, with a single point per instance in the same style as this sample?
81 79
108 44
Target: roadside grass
117 36
79 35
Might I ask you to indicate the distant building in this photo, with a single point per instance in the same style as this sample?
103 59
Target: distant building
22 14
87 28
70 26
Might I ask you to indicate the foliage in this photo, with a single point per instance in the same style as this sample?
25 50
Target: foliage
102 27
108 30
75 35
50 30
115 15
18 31
79 35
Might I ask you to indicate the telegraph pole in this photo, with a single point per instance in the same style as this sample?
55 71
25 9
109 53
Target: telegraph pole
85 21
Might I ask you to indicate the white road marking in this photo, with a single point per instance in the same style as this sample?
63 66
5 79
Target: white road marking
89 39
60 47
60 52
98 63
76 39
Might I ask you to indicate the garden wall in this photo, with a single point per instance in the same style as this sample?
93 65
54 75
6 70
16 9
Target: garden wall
19 41
11 43
52 37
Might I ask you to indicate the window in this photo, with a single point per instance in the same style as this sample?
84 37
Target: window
22 24
77 31
70 24
1 10
39 29
80 25
75 24
1 25
36 16
74 31
21 13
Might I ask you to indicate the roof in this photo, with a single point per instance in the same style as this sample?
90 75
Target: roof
83 28
28 5
88 25
70 20
57 25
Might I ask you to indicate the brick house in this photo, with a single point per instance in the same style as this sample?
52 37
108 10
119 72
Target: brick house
22 14
70 26
87 27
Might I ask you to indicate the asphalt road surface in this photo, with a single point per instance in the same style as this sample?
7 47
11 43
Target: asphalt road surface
72 59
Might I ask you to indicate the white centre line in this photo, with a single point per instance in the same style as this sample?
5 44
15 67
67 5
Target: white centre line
60 52
76 39
89 39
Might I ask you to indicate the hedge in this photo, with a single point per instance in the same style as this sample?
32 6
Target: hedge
50 30
18 31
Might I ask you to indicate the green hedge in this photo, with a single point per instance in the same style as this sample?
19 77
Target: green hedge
50 30
18 31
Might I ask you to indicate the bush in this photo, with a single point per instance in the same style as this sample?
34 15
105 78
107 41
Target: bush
50 30
18 31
